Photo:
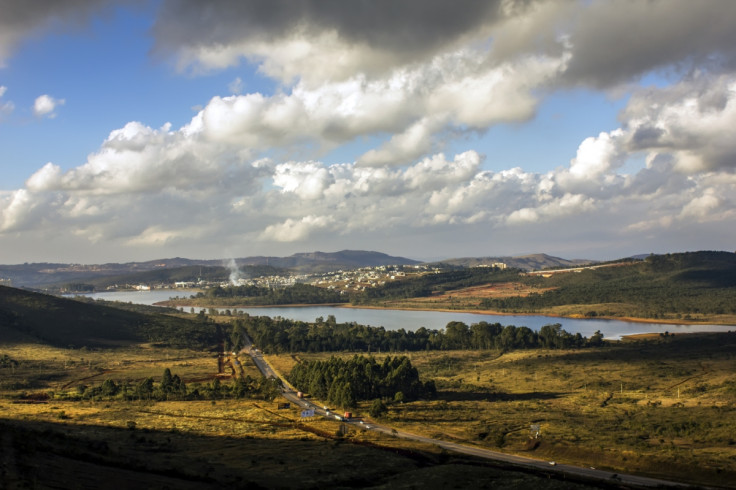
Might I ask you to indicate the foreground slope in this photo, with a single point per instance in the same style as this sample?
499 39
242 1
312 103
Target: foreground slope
65 322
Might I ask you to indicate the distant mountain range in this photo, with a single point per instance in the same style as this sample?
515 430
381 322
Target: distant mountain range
525 262
329 261
36 275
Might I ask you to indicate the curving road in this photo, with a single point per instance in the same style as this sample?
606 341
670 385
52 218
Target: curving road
547 466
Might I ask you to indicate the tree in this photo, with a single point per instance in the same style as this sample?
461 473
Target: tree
145 388
378 408
109 388
457 335
167 381
596 339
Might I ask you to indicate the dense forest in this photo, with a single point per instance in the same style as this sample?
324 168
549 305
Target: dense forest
344 382
697 282
283 335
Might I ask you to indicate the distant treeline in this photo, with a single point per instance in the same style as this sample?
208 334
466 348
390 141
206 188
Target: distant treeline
284 335
254 295
697 282
345 382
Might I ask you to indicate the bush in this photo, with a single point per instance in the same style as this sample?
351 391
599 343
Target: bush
378 408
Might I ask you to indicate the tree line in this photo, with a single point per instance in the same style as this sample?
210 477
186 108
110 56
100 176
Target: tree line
344 382
284 335
172 387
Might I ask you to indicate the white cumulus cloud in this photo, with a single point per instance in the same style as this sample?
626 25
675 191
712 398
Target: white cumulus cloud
45 105
5 107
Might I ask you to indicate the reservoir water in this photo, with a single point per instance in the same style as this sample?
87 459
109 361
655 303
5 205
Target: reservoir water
412 320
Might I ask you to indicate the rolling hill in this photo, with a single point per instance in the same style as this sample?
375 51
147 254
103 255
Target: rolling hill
39 275
26 315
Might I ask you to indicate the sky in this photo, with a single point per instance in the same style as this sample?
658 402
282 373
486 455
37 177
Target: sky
427 129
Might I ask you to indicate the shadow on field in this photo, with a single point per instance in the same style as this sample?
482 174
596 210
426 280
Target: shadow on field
55 455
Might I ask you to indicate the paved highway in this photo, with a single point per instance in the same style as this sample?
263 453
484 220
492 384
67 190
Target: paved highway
592 473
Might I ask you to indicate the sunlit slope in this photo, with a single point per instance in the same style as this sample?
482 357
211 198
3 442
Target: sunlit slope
686 283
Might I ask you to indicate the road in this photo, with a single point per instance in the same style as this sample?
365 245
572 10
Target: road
547 466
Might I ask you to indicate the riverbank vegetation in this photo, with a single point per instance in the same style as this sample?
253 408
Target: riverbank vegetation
285 335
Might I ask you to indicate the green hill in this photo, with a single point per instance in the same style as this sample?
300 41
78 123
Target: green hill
683 283
63 322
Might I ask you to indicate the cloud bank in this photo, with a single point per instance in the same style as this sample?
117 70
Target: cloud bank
413 76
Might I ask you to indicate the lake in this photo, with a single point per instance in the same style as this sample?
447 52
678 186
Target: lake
412 320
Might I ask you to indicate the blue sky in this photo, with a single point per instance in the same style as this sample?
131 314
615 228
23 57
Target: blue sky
425 129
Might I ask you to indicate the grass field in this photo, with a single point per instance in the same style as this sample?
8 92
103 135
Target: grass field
51 439
663 408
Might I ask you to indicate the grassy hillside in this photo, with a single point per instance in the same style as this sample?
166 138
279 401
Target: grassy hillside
65 322
429 284
685 284
52 435
663 406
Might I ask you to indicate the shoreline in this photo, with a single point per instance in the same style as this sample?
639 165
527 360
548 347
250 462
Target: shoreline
632 319
654 321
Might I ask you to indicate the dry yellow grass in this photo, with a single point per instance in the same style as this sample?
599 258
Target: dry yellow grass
626 408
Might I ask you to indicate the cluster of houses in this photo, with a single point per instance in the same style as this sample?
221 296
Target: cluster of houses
366 277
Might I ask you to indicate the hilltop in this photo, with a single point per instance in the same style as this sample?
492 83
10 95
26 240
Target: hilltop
530 262
329 261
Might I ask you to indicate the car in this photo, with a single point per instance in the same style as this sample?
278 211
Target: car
552 463
367 426
361 422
